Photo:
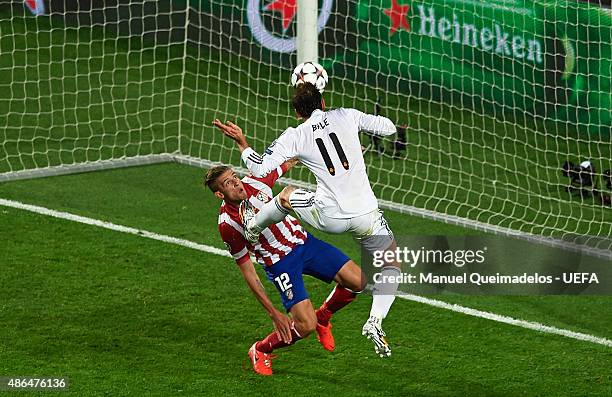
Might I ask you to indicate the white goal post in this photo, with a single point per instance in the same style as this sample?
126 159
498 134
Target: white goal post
307 32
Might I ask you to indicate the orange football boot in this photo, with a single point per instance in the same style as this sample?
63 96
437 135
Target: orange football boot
262 362
325 336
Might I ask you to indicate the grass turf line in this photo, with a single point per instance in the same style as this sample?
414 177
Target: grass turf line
220 252
435 352
143 317
169 199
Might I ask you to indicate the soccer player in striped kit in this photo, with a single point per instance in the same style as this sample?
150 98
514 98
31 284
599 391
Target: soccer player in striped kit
286 251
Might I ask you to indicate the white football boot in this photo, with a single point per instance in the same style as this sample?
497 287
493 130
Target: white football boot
247 215
372 330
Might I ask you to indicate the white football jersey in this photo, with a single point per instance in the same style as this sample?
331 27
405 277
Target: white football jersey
328 144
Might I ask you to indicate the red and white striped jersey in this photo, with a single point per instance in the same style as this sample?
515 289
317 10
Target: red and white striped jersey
275 241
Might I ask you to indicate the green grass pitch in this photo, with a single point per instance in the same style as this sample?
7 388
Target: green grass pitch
123 315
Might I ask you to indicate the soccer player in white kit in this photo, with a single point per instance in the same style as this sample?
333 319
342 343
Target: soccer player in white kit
327 142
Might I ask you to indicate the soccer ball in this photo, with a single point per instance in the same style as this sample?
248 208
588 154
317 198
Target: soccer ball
309 72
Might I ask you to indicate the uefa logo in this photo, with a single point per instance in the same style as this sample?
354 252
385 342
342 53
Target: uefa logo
275 39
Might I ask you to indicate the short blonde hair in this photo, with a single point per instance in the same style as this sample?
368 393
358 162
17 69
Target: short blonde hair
213 174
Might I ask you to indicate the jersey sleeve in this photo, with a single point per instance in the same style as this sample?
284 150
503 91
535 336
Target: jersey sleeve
281 150
376 125
235 243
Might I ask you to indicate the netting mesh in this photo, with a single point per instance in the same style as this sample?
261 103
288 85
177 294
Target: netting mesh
87 83
495 95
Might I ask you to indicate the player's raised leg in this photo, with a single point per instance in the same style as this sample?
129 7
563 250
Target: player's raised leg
270 213
373 233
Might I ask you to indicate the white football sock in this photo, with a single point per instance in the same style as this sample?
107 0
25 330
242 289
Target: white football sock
383 293
271 212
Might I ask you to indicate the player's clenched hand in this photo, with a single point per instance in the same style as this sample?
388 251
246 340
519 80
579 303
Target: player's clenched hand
233 131
282 324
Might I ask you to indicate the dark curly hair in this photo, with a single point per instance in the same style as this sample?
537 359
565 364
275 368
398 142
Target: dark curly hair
306 99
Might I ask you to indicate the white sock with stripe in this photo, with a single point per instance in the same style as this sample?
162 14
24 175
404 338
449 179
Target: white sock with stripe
271 212
383 294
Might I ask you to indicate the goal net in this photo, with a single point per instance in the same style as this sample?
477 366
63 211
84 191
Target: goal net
495 95
87 82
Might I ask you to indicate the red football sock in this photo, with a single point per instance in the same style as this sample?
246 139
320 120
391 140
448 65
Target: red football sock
339 298
274 341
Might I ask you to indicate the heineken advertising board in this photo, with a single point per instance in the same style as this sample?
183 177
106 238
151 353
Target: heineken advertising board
549 58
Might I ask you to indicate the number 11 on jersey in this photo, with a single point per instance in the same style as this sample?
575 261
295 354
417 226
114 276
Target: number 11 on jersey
339 150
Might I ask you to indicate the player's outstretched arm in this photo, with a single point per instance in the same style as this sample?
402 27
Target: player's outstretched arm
259 165
282 323
376 125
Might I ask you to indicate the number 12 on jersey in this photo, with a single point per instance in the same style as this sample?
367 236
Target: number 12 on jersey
283 282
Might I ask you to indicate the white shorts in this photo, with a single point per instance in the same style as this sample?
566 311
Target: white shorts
371 230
